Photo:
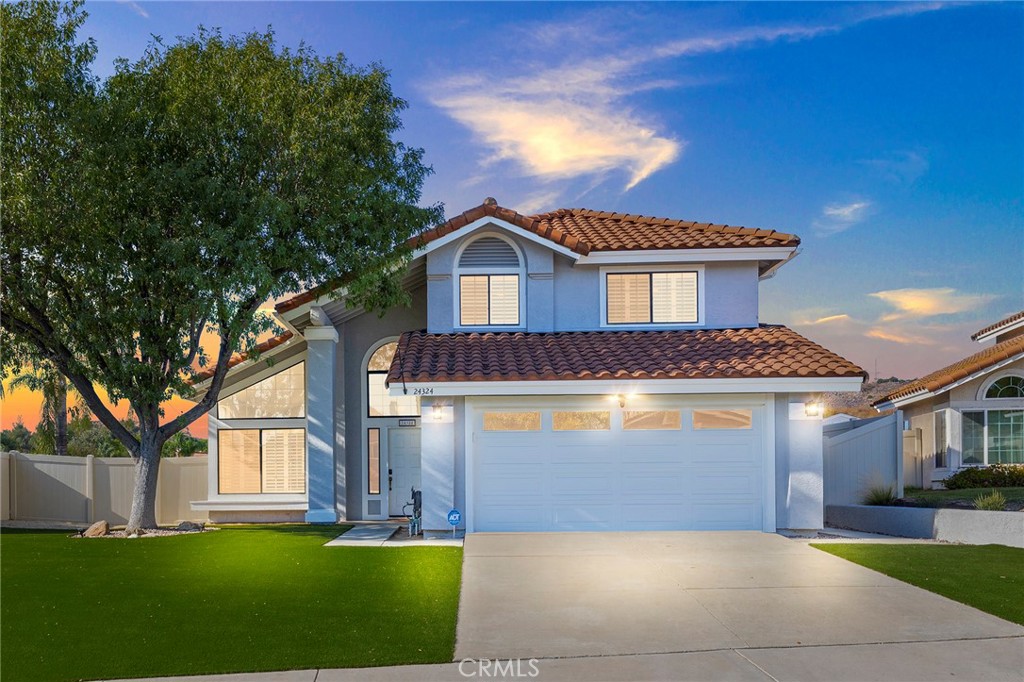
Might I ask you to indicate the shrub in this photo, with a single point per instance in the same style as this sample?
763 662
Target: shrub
993 501
880 495
996 476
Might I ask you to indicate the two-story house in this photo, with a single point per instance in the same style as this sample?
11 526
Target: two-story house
574 370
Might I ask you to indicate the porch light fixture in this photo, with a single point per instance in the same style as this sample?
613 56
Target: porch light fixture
437 411
813 408
619 398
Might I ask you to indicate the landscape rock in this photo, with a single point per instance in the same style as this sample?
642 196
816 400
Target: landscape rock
189 526
97 530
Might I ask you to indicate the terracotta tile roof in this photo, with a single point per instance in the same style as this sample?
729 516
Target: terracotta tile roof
603 231
1016 317
768 351
490 208
940 379
239 358
582 230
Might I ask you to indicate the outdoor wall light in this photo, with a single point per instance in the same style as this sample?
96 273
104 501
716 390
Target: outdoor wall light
618 398
813 408
437 412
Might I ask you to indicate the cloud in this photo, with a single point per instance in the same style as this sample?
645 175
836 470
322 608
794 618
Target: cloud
902 168
135 7
582 118
920 303
836 218
540 201
831 318
899 336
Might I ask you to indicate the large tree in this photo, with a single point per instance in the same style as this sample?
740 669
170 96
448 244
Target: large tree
173 198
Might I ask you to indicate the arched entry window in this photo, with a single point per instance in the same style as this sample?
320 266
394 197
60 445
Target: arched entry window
379 403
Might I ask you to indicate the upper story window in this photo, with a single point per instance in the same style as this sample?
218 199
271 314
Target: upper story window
651 297
489 282
380 403
281 396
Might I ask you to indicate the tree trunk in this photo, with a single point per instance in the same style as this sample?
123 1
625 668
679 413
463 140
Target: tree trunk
147 466
60 416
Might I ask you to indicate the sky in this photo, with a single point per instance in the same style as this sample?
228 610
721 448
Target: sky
890 137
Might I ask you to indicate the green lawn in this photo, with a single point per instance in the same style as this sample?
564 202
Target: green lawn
968 494
235 600
987 577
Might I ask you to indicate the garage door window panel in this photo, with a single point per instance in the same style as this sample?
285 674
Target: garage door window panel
581 421
511 421
722 419
652 420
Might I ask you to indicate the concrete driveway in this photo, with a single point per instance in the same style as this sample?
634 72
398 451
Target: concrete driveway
556 595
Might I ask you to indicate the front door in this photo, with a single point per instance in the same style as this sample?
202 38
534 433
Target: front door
404 468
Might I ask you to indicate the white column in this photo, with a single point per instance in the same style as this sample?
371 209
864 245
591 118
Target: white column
320 343
437 462
806 463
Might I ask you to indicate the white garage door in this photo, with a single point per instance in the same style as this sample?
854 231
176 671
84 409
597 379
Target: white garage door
591 465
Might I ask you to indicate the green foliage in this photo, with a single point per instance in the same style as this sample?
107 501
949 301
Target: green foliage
183 444
880 495
244 591
996 476
994 501
16 438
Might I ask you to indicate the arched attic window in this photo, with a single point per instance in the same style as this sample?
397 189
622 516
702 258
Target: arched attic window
1007 387
489 277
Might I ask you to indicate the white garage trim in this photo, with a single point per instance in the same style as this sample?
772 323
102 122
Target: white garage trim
704 387
763 403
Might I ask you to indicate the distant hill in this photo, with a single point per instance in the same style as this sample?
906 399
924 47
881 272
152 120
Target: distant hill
859 404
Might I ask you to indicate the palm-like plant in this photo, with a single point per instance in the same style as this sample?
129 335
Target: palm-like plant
54 418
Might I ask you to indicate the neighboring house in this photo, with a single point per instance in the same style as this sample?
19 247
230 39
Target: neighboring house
970 413
575 370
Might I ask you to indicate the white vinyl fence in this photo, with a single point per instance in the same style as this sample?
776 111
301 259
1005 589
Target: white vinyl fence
87 489
862 454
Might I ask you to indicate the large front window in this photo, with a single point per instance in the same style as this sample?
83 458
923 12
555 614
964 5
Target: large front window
651 298
993 437
380 403
261 461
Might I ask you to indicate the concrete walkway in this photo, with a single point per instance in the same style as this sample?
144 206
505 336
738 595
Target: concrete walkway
364 535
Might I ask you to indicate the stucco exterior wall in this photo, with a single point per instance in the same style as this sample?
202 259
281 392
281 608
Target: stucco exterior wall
358 336
799 484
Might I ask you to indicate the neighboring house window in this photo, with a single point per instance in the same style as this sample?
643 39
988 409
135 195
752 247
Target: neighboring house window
489 281
280 396
380 403
940 445
651 298
1007 387
993 437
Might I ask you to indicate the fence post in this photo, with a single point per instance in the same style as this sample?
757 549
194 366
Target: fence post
13 483
90 489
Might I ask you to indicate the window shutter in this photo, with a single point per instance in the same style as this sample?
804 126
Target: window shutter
674 296
284 461
238 460
473 299
504 299
629 299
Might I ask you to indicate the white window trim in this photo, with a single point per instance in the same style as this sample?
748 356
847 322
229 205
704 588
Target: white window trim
942 414
627 269
458 271
984 432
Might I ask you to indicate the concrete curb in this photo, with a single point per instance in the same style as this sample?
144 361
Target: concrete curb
948 525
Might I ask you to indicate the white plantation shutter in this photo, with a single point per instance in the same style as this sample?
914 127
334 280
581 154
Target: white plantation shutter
674 296
281 395
238 460
504 299
472 300
629 298
284 461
